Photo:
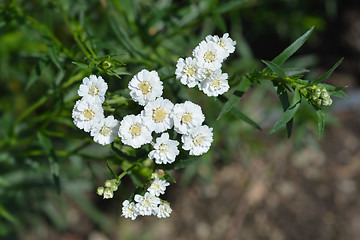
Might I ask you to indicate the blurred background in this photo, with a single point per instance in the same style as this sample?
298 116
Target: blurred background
250 185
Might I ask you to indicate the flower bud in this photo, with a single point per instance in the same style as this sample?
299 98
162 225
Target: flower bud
100 191
108 193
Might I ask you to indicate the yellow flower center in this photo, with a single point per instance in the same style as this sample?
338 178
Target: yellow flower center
93 91
159 114
88 114
105 130
209 56
145 87
164 148
186 118
135 130
190 70
215 83
198 139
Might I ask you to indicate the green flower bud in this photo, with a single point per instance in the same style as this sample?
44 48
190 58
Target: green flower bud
100 191
108 193
106 65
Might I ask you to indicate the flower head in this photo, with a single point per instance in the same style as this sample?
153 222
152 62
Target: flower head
108 193
156 115
86 115
145 87
216 84
198 141
208 55
93 89
225 42
147 204
129 210
158 187
105 131
187 116
164 210
133 131
165 150
186 71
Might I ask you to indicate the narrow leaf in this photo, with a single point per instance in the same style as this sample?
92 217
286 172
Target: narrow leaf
111 170
242 116
81 65
289 51
276 69
289 113
243 87
327 74
295 71
321 122
339 94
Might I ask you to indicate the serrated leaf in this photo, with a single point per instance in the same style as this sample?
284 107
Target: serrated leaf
242 116
321 122
289 113
276 69
289 51
235 97
327 74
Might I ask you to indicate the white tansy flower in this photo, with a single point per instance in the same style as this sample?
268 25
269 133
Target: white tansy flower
186 71
204 74
105 131
209 55
145 87
158 187
87 114
108 193
198 141
129 210
215 85
164 210
156 115
225 42
93 89
133 131
147 204
165 150
187 116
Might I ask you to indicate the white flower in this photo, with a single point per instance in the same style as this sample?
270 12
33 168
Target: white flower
165 150
198 141
158 187
226 43
187 116
164 210
93 89
156 115
100 191
209 55
147 204
108 193
145 87
204 74
129 210
87 114
186 71
216 84
133 131
105 131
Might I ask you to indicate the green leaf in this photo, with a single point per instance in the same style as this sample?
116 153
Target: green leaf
54 57
35 74
242 116
243 87
111 170
295 71
327 74
230 5
289 113
284 99
339 94
81 65
321 122
289 51
276 69
54 166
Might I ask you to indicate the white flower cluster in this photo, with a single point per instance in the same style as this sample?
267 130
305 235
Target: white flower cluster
204 68
160 115
150 203
88 113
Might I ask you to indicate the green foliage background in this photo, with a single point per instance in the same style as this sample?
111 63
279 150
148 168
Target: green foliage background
48 46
